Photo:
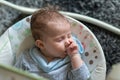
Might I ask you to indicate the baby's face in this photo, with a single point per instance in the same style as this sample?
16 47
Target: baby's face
57 40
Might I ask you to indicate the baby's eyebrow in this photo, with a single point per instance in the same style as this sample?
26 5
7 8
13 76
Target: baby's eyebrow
68 33
59 37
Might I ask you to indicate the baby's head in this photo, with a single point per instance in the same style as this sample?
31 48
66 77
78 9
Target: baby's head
51 31
44 20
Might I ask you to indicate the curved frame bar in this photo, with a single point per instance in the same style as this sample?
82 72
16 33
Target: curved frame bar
91 20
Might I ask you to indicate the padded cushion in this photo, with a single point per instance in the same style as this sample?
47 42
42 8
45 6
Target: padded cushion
18 38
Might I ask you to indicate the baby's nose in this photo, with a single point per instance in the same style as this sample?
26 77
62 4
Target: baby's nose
68 42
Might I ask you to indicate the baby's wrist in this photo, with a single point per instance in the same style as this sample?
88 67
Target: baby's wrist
74 55
76 61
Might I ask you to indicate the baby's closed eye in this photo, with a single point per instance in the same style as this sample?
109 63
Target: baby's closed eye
59 39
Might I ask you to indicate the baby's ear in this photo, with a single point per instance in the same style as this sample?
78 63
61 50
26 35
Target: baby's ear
39 44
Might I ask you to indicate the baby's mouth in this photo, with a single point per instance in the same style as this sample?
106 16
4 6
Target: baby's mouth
66 52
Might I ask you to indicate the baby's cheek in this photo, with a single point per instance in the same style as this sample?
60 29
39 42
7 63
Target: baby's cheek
61 47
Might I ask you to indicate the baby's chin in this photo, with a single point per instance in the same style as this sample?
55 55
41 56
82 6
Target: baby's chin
63 56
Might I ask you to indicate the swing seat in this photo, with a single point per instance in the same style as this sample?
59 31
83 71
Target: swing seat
18 37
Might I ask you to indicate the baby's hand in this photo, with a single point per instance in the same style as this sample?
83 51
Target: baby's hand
72 49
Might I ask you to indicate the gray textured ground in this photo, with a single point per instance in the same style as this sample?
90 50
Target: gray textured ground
105 10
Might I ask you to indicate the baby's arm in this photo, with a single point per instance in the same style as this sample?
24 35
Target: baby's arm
79 69
75 57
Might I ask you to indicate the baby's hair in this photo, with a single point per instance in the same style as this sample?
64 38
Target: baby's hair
41 18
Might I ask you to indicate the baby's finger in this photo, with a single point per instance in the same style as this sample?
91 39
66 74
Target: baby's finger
72 49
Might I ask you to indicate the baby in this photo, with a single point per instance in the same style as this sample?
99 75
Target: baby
56 54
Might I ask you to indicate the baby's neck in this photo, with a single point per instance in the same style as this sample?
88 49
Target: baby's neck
49 59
